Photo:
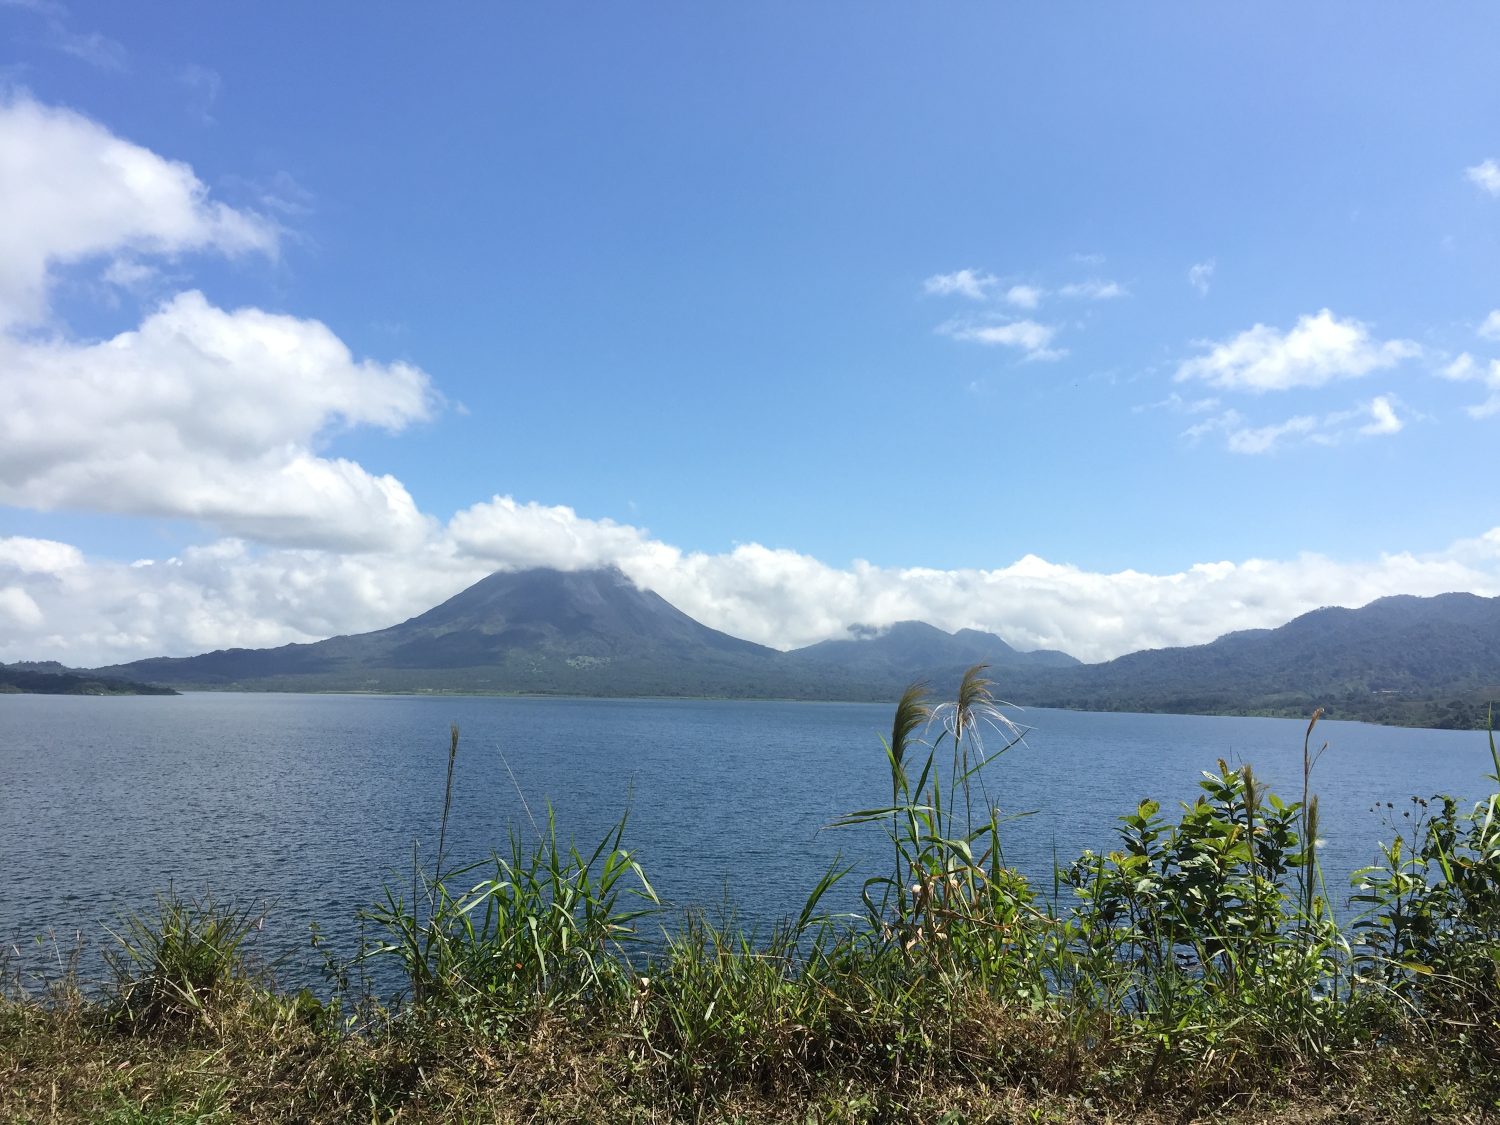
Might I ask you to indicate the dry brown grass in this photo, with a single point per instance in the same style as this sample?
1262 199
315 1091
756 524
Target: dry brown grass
66 1061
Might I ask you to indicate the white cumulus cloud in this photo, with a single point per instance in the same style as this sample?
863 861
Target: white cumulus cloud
973 284
1485 175
70 190
18 610
1024 296
1263 439
1317 350
1200 276
1027 336
221 595
1466 369
38 556
1094 290
213 416
199 413
1383 417
515 536
1376 418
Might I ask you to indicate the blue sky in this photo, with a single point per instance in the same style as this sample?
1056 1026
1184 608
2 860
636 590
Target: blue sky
1098 327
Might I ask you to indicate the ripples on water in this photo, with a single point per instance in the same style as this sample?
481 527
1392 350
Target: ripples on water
307 802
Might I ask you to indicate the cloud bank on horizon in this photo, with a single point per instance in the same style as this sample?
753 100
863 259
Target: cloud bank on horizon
226 418
57 604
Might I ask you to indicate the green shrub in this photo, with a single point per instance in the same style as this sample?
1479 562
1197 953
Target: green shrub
1431 930
174 964
545 928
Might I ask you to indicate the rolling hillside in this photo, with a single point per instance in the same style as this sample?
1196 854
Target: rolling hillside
1430 660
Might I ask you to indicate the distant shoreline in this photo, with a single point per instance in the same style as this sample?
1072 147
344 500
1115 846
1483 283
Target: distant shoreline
1331 713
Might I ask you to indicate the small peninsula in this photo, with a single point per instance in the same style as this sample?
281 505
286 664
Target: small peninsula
54 679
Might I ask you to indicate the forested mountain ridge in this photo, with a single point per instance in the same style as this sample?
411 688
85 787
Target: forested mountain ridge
914 650
1428 661
1435 660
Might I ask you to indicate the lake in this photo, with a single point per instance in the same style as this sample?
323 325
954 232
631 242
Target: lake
308 802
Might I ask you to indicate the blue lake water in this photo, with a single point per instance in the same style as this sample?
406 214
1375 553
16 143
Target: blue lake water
308 802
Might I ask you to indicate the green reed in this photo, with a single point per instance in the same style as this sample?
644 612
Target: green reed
541 925
178 962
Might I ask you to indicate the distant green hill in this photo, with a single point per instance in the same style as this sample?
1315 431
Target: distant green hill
29 679
1422 661
913 650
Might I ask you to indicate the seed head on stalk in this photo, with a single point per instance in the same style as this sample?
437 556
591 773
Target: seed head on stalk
911 713
975 709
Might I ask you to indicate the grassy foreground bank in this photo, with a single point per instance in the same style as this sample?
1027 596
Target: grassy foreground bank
1196 971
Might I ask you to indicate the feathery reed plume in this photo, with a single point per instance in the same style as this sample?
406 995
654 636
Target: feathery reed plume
1309 817
973 694
911 713
964 720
